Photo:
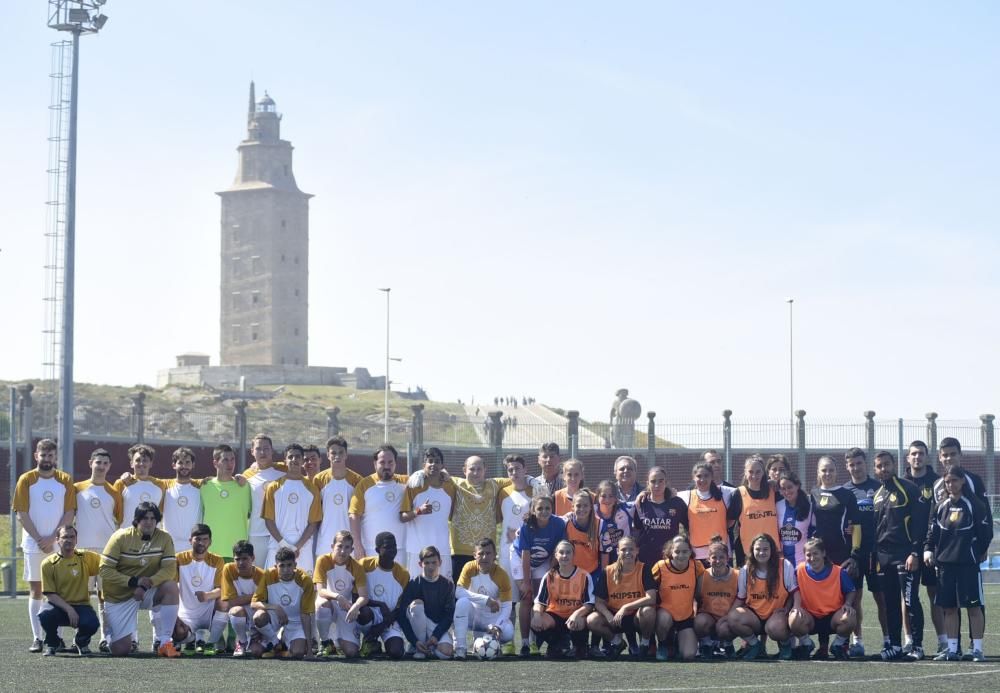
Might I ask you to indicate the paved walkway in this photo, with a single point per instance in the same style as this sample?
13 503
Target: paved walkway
536 424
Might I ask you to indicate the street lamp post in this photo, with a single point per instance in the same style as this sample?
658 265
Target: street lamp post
385 434
77 17
791 372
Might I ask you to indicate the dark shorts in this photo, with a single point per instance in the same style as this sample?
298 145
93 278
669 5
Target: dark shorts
681 625
629 625
959 586
823 624
928 575
869 575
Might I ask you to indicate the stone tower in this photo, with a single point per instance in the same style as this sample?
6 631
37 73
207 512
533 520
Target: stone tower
265 250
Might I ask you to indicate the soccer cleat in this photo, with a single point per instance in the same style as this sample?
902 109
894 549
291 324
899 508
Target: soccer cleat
706 651
661 653
784 652
63 647
199 647
525 650
168 650
856 650
907 648
326 649
891 653
916 653
947 656
508 649
104 647
754 651
239 650
459 654
268 651
82 650
535 650
613 650
369 648
595 652
209 649
978 656
728 651
840 651
189 650
49 651
942 647
36 646
967 657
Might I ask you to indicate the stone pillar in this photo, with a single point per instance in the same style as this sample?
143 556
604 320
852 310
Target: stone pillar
870 434
496 429
989 452
651 438
333 422
573 431
932 444
800 427
25 412
417 428
727 442
240 431
138 427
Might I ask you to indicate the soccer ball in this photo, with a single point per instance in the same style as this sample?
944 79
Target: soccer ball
486 647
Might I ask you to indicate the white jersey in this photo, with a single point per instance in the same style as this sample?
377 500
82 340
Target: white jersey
45 501
385 586
378 504
98 514
258 483
431 529
335 497
514 507
197 576
181 512
148 490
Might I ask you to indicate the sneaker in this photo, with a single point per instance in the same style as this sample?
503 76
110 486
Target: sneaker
199 647
239 650
104 647
784 652
210 649
508 649
661 653
595 652
459 654
916 653
36 646
49 651
840 651
82 650
168 650
535 649
978 656
907 648
891 653
947 656
706 651
327 649
967 657
858 650
189 650
755 651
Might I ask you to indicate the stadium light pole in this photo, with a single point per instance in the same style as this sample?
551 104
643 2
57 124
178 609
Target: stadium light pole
791 369
77 17
385 430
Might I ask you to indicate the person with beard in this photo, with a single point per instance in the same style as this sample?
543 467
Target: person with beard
864 489
181 500
920 473
376 503
44 500
199 577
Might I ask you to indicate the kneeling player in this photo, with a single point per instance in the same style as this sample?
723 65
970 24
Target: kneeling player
338 577
715 596
483 598
565 599
677 579
765 590
427 608
827 598
239 582
625 603
199 577
386 581
284 599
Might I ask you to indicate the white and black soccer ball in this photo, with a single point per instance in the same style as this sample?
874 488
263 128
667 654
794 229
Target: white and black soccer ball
486 647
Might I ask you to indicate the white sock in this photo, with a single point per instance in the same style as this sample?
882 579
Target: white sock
239 624
908 640
165 622
953 645
418 620
858 640
942 639
324 620
461 621
977 644
218 627
269 633
34 606
105 627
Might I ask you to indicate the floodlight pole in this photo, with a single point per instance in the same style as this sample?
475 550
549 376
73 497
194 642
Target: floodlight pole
791 373
385 430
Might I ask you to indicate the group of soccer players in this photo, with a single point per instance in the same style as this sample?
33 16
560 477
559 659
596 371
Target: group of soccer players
293 560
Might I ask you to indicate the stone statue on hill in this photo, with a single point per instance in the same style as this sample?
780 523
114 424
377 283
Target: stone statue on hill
624 412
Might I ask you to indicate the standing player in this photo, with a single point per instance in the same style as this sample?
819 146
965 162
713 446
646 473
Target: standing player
239 583
534 546
226 503
710 509
139 487
864 489
427 509
795 517
900 529
44 500
199 577
625 603
292 512
837 516
573 475
311 462
427 608
137 572
263 472
336 486
377 501
483 599
918 471
66 575
512 505
98 516
659 517
181 500
338 577
386 581
548 464
285 599
756 503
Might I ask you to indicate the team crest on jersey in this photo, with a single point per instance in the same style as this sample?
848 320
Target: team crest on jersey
338 499
340 584
95 502
379 590
48 496
182 502
144 497
196 580
223 493
142 561
517 509
390 496
75 572
672 512
285 600
892 497
293 498
926 492
482 589
436 505
955 516
824 501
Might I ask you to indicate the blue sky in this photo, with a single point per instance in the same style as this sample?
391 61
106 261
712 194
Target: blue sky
566 198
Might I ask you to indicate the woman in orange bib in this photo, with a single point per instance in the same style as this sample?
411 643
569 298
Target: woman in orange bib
626 602
764 592
565 599
583 532
828 599
715 596
711 511
677 578
756 500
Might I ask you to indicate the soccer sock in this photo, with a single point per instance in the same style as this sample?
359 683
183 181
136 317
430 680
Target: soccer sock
418 621
189 638
858 640
616 640
105 626
806 642
269 633
324 620
953 645
239 624
219 622
908 639
167 619
977 644
643 643
942 639
34 606
461 622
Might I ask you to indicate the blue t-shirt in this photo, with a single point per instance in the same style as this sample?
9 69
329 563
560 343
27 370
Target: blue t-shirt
541 541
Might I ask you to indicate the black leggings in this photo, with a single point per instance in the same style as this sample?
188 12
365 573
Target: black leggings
900 588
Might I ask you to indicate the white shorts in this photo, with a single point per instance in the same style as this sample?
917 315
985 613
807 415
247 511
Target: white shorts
393 631
292 630
120 616
260 546
348 632
33 565
198 619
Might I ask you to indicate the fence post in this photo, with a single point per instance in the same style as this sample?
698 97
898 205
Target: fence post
417 428
800 425
727 442
138 416
989 452
931 433
241 433
12 461
651 438
572 431
24 391
870 433
333 422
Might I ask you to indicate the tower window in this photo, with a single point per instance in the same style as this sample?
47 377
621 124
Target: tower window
236 300
236 334
286 169
296 292
236 267
255 298
282 223
257 264
296 332
296 260
253 336
282 257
